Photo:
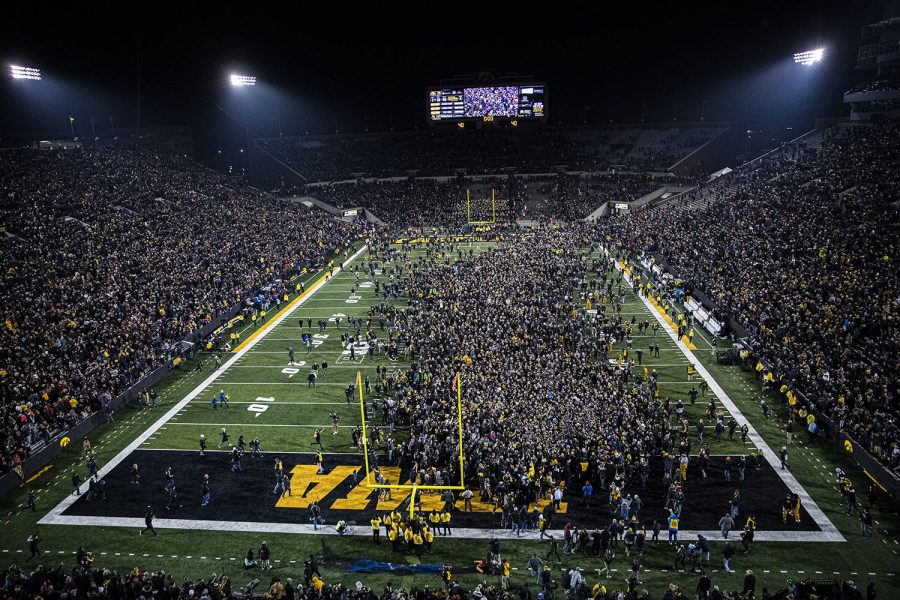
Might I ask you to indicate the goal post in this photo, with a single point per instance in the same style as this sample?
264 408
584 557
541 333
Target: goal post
411 486
493 218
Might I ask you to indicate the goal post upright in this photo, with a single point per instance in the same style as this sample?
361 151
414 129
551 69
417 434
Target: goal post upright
365 437
493 218
414 487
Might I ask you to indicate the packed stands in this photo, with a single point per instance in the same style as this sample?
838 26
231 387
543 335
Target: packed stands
801 248
110 258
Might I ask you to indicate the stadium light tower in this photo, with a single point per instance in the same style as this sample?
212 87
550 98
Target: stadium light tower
242 80
809 57
18 72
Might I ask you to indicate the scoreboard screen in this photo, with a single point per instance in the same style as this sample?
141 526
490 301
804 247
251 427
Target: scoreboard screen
510 101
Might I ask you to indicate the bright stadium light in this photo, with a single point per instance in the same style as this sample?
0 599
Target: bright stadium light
18 72
809 57
242 80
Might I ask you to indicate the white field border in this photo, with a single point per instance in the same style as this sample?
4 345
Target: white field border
829 532
55 516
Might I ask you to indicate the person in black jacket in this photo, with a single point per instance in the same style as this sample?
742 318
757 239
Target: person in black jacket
749 583
148 520
703 587
704 545
265 556
33 541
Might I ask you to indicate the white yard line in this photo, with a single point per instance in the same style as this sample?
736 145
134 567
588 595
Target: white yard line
282 366
301 382
321 426
829 532
55 516
276 403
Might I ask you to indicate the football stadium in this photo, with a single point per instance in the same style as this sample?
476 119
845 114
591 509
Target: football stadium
354 316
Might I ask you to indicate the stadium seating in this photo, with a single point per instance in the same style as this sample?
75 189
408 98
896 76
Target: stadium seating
800 248
110 258
526 150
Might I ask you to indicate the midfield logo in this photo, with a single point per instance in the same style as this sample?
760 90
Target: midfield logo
309 486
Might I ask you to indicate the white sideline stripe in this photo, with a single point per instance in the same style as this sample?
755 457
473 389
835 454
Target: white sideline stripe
829 532
359 530
56 513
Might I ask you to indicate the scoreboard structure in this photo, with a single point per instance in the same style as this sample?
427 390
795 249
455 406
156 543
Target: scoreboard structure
463 103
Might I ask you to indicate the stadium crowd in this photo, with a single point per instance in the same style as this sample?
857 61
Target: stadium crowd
547 405
569 197
502 101
85 580
800 248
111 257
433 203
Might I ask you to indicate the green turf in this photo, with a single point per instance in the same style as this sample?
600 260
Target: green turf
259 375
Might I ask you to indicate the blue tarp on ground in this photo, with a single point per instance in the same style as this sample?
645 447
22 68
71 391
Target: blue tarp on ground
373 566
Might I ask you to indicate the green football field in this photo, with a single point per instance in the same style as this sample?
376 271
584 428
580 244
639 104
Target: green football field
272 399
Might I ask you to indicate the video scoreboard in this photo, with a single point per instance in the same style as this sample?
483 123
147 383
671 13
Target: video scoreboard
504 101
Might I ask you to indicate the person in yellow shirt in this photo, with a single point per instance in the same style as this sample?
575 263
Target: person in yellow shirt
394 536
429 539
690 372
318 584
418 543
435 519
445 522
505 570
408 536
376 529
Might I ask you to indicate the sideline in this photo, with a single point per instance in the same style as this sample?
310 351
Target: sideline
829 532
364 530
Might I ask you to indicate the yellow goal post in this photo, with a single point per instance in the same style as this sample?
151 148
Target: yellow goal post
411 486
493 209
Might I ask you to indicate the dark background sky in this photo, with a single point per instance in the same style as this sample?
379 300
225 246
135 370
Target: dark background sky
321 69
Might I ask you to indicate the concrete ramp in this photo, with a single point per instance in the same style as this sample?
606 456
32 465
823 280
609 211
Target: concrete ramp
310 202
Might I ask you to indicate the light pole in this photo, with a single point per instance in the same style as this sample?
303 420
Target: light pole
241 81
26 74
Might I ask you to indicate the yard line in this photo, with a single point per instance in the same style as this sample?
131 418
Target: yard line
354 404
329 366
251 424
301 381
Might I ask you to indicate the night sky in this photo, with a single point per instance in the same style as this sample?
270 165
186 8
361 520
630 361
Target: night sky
325 71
